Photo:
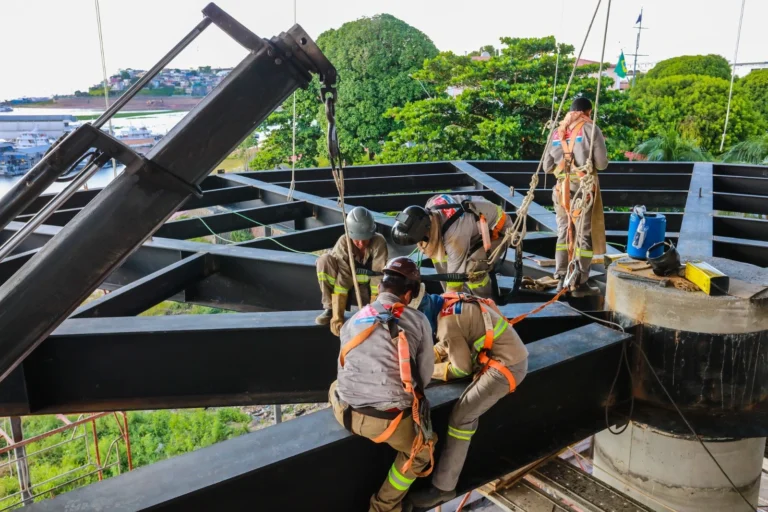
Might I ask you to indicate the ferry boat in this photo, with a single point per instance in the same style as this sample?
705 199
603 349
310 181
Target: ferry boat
5 108
139 139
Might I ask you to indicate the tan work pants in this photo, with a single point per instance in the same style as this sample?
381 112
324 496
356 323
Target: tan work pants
332 282
393 490
479 396
583 245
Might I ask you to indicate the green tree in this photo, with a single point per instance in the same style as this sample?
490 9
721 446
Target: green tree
204 69
503 106
708 65
124 74
374 58
672 147
751 151
695 106
755 85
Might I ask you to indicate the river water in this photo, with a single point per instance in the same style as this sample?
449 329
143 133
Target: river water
158 122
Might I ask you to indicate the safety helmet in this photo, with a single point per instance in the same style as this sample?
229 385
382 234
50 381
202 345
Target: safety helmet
404 266
360 224
411 226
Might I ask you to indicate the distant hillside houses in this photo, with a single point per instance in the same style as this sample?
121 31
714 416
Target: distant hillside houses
169 82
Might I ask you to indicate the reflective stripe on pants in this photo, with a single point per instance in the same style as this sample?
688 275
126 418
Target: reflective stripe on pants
583 249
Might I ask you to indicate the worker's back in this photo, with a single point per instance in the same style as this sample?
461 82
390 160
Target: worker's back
370 376
465 229
465 320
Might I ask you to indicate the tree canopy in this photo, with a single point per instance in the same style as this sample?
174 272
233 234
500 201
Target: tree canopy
501 108
708 65
755 85
374 58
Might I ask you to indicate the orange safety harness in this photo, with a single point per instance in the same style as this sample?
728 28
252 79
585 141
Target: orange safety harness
484 355
420 407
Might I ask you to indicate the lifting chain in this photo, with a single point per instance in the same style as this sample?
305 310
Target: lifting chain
329 95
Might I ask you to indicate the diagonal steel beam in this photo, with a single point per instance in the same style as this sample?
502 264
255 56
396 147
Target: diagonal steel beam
696 230
544 218
141 295
546 413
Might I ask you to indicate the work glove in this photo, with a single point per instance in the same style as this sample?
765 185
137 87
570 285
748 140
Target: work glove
440 353
441 371
338 305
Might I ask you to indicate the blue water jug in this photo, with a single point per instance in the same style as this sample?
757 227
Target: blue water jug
645 229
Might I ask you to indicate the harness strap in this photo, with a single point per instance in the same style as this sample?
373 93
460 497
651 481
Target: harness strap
356 341
487 362
384 436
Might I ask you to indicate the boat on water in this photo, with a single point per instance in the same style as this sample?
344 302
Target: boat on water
139 139
5 108
18 157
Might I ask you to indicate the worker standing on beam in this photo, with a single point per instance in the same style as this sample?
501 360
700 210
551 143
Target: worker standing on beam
386 358
458 233
473 338
335 276
568 156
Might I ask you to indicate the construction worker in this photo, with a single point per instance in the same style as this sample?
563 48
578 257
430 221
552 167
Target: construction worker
334 275
567 158
376 390
473 339
458 233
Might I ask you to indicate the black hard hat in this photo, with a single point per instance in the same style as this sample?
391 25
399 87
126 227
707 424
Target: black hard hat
411 226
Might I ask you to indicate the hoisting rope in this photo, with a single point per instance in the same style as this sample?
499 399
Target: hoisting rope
104 74
733 74
329 94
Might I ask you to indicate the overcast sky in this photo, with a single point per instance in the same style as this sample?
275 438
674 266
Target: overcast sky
51 46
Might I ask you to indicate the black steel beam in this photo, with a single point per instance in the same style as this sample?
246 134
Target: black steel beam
11 264
360 171
759 171
197 360
608 180
308 240
629 198
748 251
229 195
383 185
62 275
185 229
741 185
530 166
743 203
546 413
544 218
741 227
79 200
696 230
57 218
144 293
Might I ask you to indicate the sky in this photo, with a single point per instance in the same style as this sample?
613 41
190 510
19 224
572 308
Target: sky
51 46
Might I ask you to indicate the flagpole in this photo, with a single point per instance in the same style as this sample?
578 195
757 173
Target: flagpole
637 48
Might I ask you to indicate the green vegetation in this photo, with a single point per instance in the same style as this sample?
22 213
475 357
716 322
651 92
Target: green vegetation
155 436
707 65
750 151
671 147
182 308
755 86
374 57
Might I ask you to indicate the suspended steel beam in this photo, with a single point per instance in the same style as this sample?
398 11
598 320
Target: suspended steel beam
144 293
234 220
696 230
118 220
546 413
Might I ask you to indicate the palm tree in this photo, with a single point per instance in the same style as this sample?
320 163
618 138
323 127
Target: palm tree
750 151
671 147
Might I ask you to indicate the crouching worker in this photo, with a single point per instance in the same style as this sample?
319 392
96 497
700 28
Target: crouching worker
334 275
459 234
473 338
386 358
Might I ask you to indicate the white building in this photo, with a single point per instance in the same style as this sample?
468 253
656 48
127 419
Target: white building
51 125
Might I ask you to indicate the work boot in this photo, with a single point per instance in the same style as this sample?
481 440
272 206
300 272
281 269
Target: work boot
429 497
585 290
324 318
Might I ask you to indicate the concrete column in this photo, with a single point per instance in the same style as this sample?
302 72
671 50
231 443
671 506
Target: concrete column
666 471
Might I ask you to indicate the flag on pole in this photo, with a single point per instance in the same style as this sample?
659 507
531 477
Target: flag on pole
639 18
621 66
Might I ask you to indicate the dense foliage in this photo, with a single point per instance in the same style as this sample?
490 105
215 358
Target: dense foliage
374 58
672 147
155 436
751 151
707 65
502 108
755 86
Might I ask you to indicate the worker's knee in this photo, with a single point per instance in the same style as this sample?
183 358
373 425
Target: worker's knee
326 263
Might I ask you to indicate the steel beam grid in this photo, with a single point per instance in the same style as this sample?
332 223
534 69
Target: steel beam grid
169 362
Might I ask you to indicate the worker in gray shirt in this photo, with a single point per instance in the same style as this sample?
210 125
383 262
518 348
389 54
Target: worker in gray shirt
567 158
